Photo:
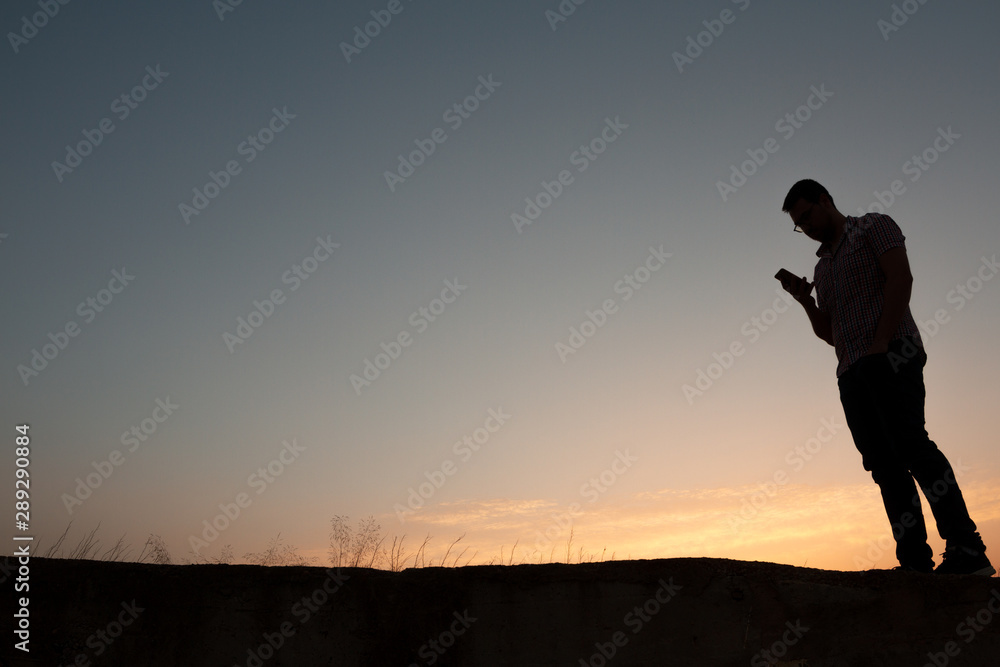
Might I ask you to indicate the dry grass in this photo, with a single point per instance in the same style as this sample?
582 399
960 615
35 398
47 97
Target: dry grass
278 554
89 548
360 546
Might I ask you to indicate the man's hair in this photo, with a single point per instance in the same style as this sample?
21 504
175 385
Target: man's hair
807 189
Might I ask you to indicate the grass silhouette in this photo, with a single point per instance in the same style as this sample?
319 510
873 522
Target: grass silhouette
363 546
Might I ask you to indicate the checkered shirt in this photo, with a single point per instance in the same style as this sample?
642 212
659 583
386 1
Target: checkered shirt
850 285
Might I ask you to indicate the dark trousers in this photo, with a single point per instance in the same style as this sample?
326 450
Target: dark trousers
883 399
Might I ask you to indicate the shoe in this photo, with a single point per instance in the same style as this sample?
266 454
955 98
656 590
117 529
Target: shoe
963 560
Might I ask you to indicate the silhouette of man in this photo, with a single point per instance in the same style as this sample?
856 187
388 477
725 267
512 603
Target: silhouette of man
863 282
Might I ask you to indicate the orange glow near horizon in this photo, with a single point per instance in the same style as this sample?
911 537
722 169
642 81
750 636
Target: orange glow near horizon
832 527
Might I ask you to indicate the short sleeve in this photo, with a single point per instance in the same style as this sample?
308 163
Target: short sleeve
883 233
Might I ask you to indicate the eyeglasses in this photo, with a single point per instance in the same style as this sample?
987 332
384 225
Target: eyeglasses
804 216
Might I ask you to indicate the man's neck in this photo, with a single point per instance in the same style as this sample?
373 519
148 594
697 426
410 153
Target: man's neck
839 222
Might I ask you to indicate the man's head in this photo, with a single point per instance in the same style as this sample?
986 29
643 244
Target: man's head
812 210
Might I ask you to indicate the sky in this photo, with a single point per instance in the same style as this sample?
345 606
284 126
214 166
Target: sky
493 271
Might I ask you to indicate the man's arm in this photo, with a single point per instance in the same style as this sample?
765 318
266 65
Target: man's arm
895 298
820 319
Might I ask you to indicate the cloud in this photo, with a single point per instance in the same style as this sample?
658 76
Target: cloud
827 526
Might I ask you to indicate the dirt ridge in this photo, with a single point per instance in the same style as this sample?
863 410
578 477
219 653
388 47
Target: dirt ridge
686 611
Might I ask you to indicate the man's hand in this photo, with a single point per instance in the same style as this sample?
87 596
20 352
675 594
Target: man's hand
877 348
801 291
799 288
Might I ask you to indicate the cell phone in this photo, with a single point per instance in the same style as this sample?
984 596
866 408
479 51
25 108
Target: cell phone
785 274
789 280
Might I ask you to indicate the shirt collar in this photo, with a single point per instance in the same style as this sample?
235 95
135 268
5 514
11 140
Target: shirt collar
825 250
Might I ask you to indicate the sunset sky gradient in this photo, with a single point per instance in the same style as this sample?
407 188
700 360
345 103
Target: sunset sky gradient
637 260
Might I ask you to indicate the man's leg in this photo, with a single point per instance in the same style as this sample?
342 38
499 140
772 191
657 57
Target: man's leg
871 436
904 405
